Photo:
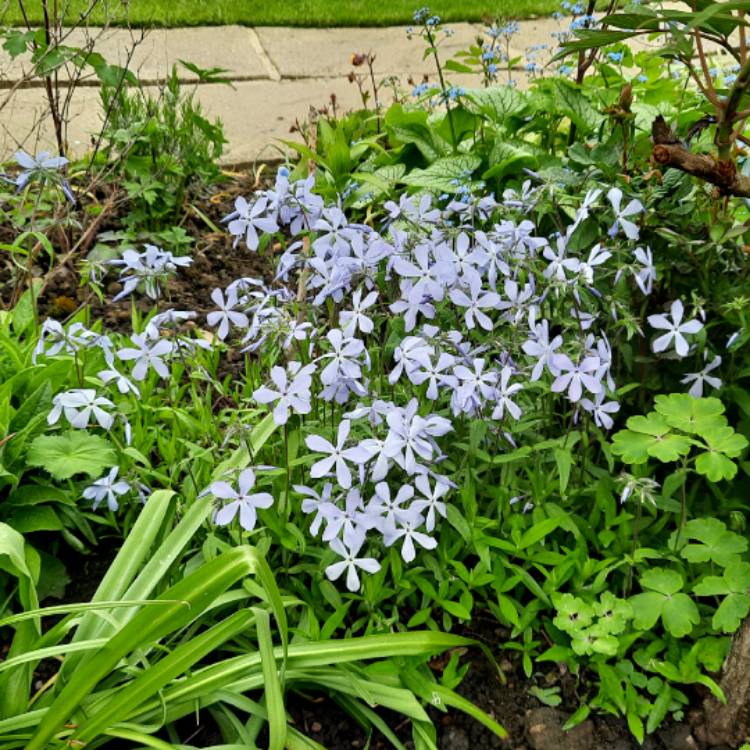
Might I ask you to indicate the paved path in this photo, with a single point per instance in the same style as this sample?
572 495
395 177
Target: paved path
277 74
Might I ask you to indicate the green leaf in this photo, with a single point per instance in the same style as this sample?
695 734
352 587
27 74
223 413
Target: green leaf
715 466
35 518
611 686
456 609
509 157
73 452
410 127
679 614
716 542
496 103
178 606
17 42
539 531
693 415
273 691
12 552
661 706
136 548
592 39
665 599
456 67
724 440
450 698
151 680
578 717
731 612
570 101
573 614
564 461
735 584
445 175
631 447
649 435
646 609
378 182
663 580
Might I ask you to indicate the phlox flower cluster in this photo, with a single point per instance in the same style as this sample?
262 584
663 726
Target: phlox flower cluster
87 408
453 309
488 308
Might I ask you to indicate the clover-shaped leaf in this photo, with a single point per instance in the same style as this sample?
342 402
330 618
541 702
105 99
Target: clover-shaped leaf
693 415
573 614
649 435
715 466
725 440
613 613
722 442
664 599
714 542
632 447
594 640
734 585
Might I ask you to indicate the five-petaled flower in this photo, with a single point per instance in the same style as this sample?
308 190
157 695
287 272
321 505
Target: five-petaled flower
290 394
79 406
675 329
338 455
350 563
241 501
107 488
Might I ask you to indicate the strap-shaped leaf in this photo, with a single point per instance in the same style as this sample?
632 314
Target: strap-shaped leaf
180 605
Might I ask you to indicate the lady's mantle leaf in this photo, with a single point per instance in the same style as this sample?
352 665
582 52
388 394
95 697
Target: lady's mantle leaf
73 452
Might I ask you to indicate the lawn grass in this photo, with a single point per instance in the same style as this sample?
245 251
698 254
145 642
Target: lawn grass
284 12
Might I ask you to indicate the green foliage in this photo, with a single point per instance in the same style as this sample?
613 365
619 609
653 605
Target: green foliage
166 148
733 586
633 581
71 453
664 599
680 424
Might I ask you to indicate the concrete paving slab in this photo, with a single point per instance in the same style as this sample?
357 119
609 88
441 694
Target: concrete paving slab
255 114
25 121
318 53
234 48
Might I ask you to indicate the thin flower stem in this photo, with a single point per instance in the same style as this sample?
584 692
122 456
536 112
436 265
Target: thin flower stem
443 85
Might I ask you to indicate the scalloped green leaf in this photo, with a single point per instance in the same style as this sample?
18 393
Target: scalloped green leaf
731 612
679 614
692 415
715 466
663 580
73 452
632 447
715 542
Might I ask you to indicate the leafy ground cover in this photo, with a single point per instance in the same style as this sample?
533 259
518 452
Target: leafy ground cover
446 417
288 13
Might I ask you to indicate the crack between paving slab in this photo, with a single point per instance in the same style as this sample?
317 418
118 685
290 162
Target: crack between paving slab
257 45
39 84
